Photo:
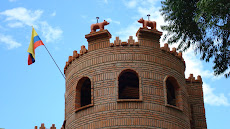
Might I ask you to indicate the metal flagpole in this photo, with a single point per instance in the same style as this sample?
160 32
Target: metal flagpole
54 61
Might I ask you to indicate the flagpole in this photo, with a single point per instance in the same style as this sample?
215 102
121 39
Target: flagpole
54 61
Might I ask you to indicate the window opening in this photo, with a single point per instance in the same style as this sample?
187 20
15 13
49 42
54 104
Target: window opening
86 93
171 86
128 85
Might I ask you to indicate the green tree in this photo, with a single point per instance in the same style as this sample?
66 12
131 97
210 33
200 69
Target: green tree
205 24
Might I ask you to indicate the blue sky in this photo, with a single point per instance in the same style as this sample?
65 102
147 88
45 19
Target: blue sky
31 95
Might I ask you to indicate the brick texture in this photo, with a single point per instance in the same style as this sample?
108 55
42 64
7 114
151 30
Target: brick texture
196 102
103 62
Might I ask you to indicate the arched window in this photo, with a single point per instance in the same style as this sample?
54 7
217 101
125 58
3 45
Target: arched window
83 92
128 83
172 91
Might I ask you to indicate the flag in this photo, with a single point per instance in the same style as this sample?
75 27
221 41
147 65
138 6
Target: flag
34 43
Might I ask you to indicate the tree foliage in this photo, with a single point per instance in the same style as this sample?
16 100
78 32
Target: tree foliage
205 24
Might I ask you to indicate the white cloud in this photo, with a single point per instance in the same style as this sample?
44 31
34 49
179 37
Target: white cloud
50 33
130 3
106 1
9 41
152 2
53 14
195 66
144 3
22 15
143 8
112 21
155 15
128 31
213 99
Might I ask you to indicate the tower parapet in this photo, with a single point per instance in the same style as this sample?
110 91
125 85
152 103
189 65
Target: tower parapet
148 37
43 127
98 40
196 102
130 85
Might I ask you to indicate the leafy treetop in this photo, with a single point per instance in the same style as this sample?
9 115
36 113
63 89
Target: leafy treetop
205 24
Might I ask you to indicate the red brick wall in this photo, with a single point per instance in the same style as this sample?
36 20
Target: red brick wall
196 102
103 66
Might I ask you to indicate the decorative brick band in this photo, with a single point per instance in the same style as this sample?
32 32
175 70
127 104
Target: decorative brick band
124 57
130 43
129 113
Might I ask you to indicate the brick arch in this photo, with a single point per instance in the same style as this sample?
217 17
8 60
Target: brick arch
84 95
172 91
128 85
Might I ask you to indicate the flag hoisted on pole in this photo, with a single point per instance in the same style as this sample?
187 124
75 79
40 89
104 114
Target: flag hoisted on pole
34 43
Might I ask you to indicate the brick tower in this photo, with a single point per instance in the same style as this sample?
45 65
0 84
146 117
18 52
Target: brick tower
131 85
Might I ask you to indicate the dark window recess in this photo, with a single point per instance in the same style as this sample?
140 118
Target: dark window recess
128 85
171 97
86 93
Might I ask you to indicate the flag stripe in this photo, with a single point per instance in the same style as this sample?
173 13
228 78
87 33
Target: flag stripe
37 44
36 38
31 60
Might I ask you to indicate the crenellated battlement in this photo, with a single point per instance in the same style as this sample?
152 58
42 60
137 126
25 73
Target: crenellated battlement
130 42
75 56
192 79
173 52
95 43
43 127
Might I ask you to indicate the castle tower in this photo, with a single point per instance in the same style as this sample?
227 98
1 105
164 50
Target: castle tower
131 85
